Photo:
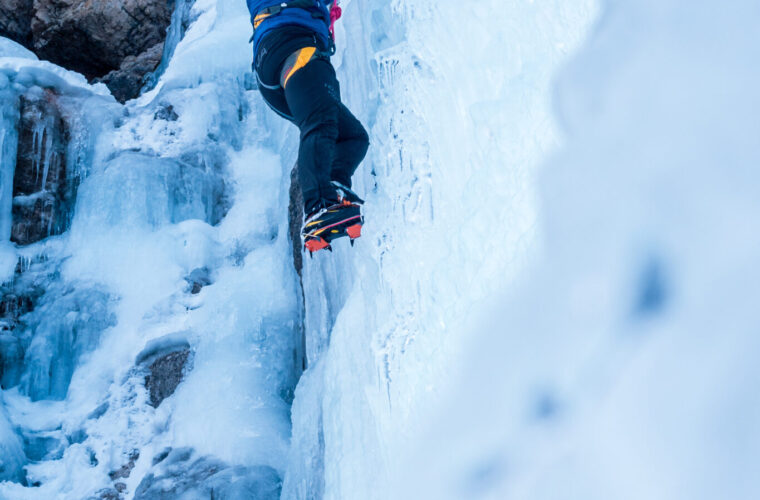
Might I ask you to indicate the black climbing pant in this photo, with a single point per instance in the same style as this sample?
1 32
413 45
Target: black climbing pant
333 141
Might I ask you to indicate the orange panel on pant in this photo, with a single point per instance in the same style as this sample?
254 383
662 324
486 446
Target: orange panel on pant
296 61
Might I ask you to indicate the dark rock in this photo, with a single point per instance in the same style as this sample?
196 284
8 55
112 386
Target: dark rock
120 487
295 219
120 43
127 81
95 38
166 112
106 494
13 305
166 359
125 470
16 21
165 375
197 279
182 474
43 199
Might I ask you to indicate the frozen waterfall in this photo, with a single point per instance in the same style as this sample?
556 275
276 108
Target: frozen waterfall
553 296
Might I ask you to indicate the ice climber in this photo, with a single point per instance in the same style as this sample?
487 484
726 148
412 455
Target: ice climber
292 44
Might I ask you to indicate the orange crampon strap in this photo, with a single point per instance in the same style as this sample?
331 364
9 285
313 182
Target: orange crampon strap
296 61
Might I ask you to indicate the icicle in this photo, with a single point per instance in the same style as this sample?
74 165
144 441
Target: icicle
47 155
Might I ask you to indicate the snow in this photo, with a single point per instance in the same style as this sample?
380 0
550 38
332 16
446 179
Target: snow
553 296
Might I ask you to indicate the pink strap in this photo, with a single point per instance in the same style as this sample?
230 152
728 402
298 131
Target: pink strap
335 13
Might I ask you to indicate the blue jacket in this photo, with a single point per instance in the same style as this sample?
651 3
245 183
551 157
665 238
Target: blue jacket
316 19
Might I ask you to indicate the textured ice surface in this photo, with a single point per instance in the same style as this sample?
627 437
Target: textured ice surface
614 361
12 456
622 366
459 118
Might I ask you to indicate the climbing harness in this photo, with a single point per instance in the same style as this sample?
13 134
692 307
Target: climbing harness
301 57
277 9
335 13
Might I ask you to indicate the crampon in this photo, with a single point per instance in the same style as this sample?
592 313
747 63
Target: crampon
330 223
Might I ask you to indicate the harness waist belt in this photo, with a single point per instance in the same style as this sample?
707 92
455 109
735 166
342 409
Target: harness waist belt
276 9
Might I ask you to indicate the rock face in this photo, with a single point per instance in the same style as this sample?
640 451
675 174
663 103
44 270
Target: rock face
42 197
166 360
165 375
117 42
295 219
16 21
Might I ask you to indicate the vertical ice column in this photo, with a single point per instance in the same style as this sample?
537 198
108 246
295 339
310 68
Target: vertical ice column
9 115
173 36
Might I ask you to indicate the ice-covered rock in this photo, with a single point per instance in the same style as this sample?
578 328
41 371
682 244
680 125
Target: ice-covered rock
43 192
166 360
9 48
183 474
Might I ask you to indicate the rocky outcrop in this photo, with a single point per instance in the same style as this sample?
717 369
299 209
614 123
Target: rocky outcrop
127 81
16 21
42 197
166 360
295 219
117 42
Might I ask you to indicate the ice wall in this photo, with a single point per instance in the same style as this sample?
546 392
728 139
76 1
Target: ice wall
457 98
623 365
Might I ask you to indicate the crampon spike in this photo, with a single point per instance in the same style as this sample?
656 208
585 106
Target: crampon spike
351 241
316 244
354 231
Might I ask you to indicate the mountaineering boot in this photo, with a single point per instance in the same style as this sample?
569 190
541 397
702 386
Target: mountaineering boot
345 193
330 220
